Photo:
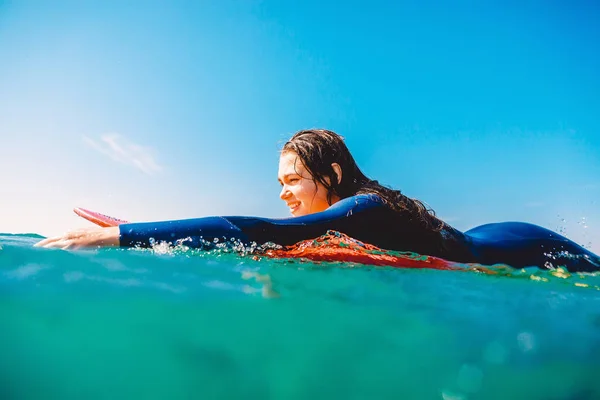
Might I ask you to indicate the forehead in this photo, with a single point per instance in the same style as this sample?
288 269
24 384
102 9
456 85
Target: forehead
289 163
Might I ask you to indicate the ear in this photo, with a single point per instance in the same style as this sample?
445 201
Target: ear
338 172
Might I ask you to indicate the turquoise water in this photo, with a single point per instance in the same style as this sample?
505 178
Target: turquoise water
112 324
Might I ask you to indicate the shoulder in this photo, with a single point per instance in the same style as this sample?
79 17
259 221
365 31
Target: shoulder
358 202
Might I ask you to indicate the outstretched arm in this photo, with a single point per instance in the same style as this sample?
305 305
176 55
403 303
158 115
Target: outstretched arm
90 237
351 216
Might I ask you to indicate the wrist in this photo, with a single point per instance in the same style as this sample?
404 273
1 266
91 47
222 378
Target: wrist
110 237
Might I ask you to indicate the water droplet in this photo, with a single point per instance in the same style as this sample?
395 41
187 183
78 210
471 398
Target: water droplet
526 341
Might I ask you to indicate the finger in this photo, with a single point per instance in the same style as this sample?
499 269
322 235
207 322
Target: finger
67 236
45 242
58 244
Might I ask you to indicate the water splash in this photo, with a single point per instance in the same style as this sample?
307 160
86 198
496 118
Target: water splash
341 251
581 229
561 228
584 225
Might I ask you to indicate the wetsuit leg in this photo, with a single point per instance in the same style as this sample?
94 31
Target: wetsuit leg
520 244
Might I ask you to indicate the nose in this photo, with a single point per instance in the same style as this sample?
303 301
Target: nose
285 193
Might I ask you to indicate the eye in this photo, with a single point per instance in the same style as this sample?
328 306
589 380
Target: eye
293 180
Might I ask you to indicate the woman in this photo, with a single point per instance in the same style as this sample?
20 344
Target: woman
325 190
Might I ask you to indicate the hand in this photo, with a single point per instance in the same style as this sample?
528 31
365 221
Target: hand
90 237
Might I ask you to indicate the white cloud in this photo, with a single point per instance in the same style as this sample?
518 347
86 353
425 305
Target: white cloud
126 152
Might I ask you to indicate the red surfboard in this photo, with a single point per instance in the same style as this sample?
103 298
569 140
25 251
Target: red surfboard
97 218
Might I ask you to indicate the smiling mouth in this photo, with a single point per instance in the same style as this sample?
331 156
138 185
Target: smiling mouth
293 207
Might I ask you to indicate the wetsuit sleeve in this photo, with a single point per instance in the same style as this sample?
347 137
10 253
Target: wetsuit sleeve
349 216
197 232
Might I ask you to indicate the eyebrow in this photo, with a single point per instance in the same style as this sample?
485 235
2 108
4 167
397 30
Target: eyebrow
286 175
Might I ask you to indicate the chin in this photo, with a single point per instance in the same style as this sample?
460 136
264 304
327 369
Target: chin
298 213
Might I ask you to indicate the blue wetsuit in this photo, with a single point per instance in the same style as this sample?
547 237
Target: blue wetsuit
366 218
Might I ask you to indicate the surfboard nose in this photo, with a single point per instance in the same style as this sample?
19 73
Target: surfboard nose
98 218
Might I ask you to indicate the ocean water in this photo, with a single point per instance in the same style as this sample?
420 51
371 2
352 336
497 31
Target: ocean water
158 324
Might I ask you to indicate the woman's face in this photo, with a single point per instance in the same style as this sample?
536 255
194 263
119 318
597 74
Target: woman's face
301 194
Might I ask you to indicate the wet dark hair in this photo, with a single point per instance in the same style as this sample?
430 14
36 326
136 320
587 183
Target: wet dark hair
319 148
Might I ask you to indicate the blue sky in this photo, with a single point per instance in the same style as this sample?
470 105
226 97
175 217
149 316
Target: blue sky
159 110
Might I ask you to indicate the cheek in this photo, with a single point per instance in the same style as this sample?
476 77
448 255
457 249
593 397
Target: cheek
305 190
301 194
321 192
323 197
